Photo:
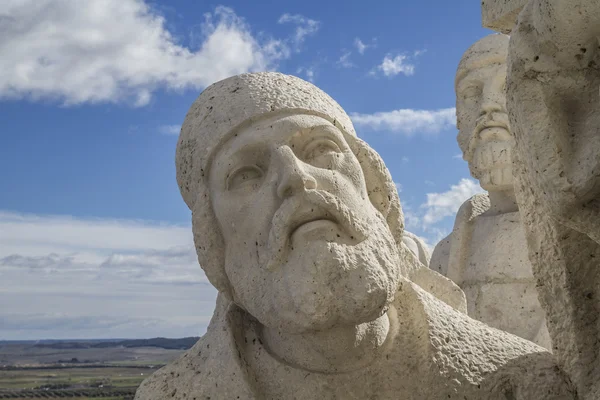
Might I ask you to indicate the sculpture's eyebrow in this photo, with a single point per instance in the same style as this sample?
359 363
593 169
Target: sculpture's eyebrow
468 76
320 130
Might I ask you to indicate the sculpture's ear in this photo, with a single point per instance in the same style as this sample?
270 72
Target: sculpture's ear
209 243
384 196
380 186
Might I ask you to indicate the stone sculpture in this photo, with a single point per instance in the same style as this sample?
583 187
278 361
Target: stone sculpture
501 15
554 107
417 246
486 253
298 224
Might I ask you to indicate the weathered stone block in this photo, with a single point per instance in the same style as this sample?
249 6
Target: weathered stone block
501 15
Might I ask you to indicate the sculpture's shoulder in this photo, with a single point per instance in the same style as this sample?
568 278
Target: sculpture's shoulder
176 376
467 213
487 360
473 208
207 370
212 368
530 376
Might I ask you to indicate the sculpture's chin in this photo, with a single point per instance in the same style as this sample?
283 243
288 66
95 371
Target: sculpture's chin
496 179
326 284
492 165
320 284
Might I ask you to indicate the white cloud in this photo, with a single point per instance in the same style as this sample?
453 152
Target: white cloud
118 50
68 234
399 64
309 72
405 160
411 219
458 156
360 46
398 186
344 60
304 27
433 235
441 205
169 129
407 121
141 278
431 220
42 322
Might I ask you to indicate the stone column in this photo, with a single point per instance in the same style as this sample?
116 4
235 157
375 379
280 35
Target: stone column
553 103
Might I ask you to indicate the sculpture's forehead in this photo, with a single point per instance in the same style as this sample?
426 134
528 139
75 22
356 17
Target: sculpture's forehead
481 68
487 52
271 130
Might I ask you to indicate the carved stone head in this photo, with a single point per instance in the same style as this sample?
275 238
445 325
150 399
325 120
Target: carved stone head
484 131
295 219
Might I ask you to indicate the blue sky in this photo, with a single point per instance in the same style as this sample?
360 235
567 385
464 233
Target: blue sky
94 238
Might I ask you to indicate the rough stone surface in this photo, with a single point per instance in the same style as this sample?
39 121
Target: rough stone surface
443 289
486 254
554 104
438 353
501 15
317 291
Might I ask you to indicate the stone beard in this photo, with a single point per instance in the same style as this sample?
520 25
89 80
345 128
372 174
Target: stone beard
492 161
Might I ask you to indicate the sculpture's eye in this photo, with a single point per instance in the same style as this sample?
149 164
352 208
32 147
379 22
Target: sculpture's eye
244 176
471 92
319 148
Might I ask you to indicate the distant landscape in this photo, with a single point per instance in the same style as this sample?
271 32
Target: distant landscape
83 369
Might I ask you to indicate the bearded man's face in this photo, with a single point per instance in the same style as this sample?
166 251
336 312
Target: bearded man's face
305 247
484 133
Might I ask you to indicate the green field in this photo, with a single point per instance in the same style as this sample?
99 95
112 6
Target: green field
96 383
28 372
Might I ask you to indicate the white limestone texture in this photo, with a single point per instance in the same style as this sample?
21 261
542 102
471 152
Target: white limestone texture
417 246
486 254
501 15
451 294
298 224
554 107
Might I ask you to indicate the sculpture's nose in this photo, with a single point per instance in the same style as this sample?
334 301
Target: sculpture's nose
293 177
490 102
494 96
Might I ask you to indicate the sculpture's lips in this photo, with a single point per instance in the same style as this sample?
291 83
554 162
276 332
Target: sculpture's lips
309 219
489 130
311 225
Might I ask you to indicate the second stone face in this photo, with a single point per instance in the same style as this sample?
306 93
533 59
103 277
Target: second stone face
486 254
